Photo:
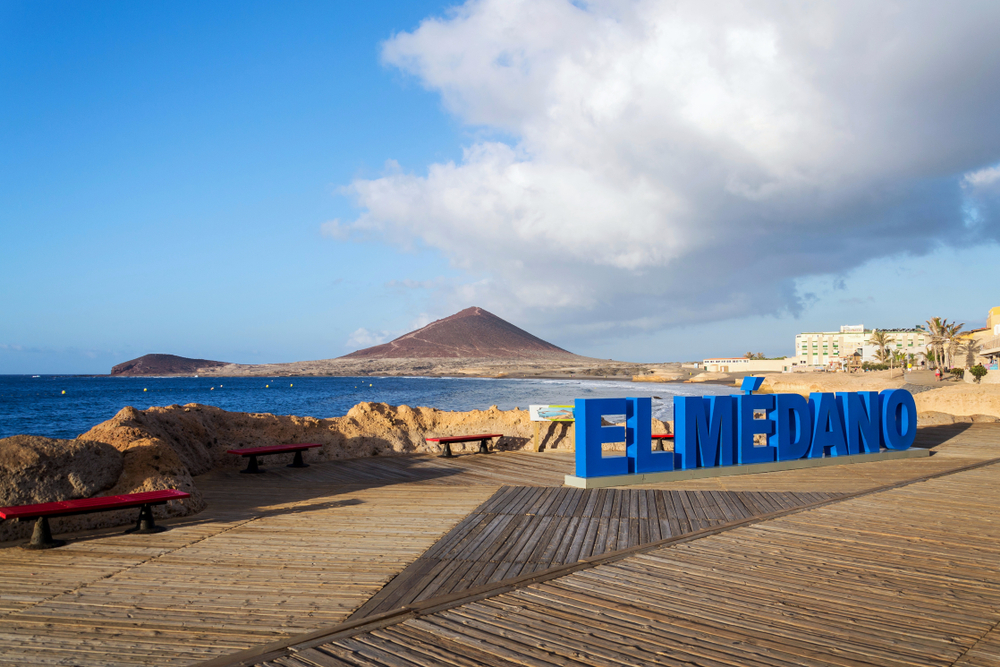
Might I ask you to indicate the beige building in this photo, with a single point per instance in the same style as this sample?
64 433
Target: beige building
834 348
744 365
990 340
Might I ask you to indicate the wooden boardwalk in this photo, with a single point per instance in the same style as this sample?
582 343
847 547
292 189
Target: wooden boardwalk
298 551
521 530
904 577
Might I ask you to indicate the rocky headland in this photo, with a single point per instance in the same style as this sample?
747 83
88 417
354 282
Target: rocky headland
163 364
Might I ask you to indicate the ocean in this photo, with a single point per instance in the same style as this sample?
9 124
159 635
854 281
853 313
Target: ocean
60 406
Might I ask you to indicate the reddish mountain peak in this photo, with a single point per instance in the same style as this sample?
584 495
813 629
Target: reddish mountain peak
471 333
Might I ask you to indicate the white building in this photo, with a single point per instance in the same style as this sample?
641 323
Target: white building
833 348
744 365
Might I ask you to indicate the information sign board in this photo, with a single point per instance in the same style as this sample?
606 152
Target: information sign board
551 413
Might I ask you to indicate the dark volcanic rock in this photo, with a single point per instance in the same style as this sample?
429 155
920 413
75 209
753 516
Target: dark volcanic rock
163 364
472 333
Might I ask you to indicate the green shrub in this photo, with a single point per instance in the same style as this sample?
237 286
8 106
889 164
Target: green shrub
978 371
869 366
958 372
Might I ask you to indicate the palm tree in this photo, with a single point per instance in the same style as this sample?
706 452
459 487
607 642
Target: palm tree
897 356
937 327
972 347
882 340
952 336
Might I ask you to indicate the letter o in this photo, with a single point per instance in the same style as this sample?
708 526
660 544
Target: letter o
899 418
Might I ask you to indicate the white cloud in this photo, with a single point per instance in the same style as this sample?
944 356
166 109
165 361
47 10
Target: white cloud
420 321
983 177
683 162
362 338
335 229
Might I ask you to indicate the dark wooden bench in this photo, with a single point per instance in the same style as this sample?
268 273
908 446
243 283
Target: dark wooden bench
41 538
483 438
254 452
658 438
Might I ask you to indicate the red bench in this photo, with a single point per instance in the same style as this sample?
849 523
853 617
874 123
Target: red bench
483 438
254 452
659 438
41 538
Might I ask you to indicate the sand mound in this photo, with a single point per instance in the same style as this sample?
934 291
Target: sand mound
42 470
806 383
164 447
961 400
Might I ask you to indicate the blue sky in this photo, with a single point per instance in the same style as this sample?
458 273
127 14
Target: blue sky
270 182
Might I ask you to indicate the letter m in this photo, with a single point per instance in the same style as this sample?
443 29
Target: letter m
703 431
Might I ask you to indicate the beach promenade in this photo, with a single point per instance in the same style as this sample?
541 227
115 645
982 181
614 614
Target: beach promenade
489 560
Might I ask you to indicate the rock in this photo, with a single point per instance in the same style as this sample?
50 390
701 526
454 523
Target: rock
932 418
659 377
707 376
41 470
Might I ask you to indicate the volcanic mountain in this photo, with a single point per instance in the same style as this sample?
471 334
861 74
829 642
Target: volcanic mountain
472 333
163 364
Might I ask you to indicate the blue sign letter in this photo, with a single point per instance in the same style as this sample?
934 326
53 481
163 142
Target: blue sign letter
703 431
748 427
861 417
828 427
590 435
792 426
899 418
639 439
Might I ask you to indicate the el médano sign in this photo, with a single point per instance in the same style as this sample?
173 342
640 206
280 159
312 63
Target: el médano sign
714 435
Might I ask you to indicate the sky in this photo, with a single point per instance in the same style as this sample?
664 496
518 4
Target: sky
261 182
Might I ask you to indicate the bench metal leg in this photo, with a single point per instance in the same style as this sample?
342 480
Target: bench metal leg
657 445
41 537
252 466
297 462
447 451
484 446
146 524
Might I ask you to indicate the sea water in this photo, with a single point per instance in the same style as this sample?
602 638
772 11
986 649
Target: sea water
59 406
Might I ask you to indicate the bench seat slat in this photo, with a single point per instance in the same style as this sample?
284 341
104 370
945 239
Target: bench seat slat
273 449
663 436
84 505
464 438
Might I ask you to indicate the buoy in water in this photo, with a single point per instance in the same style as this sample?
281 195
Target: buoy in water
144 389
267 386
64 391
291 385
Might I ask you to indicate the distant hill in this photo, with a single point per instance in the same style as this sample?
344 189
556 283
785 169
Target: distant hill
472 333
163 364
